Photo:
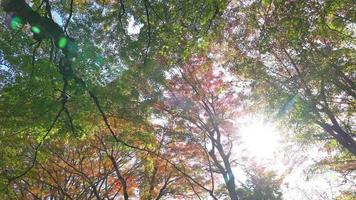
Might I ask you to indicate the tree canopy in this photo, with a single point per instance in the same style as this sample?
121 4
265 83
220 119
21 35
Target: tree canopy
149 99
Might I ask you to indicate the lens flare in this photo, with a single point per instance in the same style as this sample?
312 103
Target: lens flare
36 30
62 42
16 23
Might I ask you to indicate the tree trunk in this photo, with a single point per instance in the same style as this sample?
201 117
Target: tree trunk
345 139
228 175
341 136
230 182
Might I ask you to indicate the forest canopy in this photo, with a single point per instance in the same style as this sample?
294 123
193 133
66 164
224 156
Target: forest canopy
203 99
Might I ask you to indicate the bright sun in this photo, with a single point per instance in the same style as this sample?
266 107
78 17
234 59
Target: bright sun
259 138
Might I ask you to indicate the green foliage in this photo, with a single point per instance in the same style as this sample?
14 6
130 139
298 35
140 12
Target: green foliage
84 85
260 185
347 196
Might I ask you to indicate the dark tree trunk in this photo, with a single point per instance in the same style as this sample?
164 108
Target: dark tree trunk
229 176
335 130
341 136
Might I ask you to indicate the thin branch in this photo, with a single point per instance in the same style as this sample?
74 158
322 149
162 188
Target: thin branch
38 146
63 102
39 7
69 17
154 11
216 12
34 53
148 28
105 119
340 32
70 119
122 13
48 9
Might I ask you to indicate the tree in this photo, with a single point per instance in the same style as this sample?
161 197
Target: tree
136 99
68 74
260 184
95 167
199 103
290 49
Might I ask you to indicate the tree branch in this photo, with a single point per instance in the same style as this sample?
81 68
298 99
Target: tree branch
148 28
69 17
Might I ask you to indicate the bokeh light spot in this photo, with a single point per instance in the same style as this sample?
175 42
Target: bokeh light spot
35 29
62 42
16 23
